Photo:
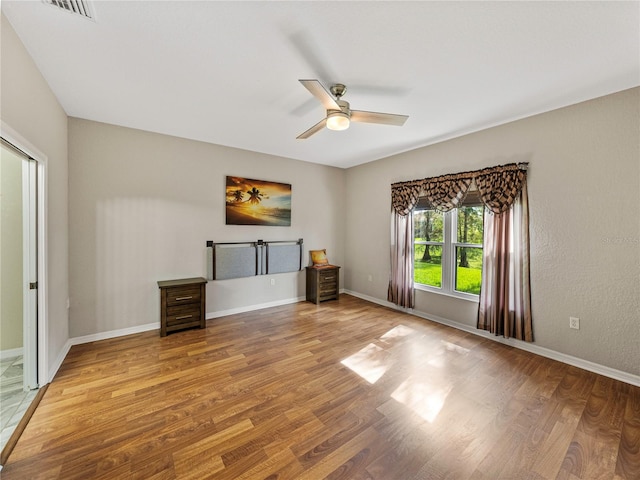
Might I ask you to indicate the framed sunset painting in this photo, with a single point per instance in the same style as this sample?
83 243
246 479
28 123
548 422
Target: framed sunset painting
257 202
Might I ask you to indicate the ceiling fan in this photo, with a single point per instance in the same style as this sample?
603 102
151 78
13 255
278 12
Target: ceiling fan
339 115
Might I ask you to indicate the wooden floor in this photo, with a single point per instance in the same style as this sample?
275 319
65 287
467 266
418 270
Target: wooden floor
347 389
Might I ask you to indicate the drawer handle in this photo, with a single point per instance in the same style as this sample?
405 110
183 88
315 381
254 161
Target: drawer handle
183 317
183 298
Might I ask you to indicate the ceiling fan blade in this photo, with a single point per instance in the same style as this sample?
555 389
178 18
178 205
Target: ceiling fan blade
376 117
318 91
315 129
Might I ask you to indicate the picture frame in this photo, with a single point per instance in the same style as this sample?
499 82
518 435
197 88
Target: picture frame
257 202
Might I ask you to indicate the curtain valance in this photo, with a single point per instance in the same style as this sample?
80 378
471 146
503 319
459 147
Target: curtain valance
404 196
498 188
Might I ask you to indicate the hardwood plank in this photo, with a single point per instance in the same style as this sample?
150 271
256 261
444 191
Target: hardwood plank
589 457
338 457
628 461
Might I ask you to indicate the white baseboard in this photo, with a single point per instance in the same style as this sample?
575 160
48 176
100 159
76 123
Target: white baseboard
251 308
368 298
529 347
58 361
13 352
115 333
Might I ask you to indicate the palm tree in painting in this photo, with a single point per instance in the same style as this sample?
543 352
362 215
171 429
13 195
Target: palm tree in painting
255 197
237 195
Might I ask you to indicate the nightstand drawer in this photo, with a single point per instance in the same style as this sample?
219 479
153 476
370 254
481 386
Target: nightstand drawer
327 288
322 296
328 278
183 314
182 295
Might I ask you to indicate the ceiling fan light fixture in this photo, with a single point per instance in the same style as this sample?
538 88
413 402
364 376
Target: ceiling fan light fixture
338 121
339 113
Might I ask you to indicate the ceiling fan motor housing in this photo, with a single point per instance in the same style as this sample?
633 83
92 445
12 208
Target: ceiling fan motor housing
338 90
344 107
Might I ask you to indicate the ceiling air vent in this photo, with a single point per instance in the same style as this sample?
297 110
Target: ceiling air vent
80 7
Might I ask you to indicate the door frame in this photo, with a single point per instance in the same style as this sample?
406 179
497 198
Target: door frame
30 272
27 147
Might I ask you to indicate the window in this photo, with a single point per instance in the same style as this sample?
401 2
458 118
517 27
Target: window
447 249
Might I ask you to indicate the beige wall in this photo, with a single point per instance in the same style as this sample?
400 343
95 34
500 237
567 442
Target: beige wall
30 108
10 250
584 193
143 205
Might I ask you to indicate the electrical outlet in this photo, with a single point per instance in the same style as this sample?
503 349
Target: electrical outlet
370 278
273 281
574 322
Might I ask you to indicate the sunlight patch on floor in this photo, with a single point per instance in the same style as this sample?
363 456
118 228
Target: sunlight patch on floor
368 363
397 332
425 399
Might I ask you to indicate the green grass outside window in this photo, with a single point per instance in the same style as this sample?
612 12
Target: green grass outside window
430 273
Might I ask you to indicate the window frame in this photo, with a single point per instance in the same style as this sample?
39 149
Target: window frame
449 257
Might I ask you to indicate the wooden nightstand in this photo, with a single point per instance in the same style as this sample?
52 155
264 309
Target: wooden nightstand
182 304
322 283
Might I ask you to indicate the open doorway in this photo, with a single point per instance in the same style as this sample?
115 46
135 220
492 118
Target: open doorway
18 286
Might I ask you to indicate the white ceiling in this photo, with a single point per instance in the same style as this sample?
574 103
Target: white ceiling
227 72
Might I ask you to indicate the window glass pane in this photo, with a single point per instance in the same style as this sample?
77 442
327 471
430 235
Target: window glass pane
427 226
427 265
470 223
468 269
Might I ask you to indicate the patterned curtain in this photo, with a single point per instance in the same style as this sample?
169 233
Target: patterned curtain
446 193
499 187
404 196
505 297
400 289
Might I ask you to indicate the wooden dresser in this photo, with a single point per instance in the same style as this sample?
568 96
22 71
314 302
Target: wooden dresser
182 304
322 283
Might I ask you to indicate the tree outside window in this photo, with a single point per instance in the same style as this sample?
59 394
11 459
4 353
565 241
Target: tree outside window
448 250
